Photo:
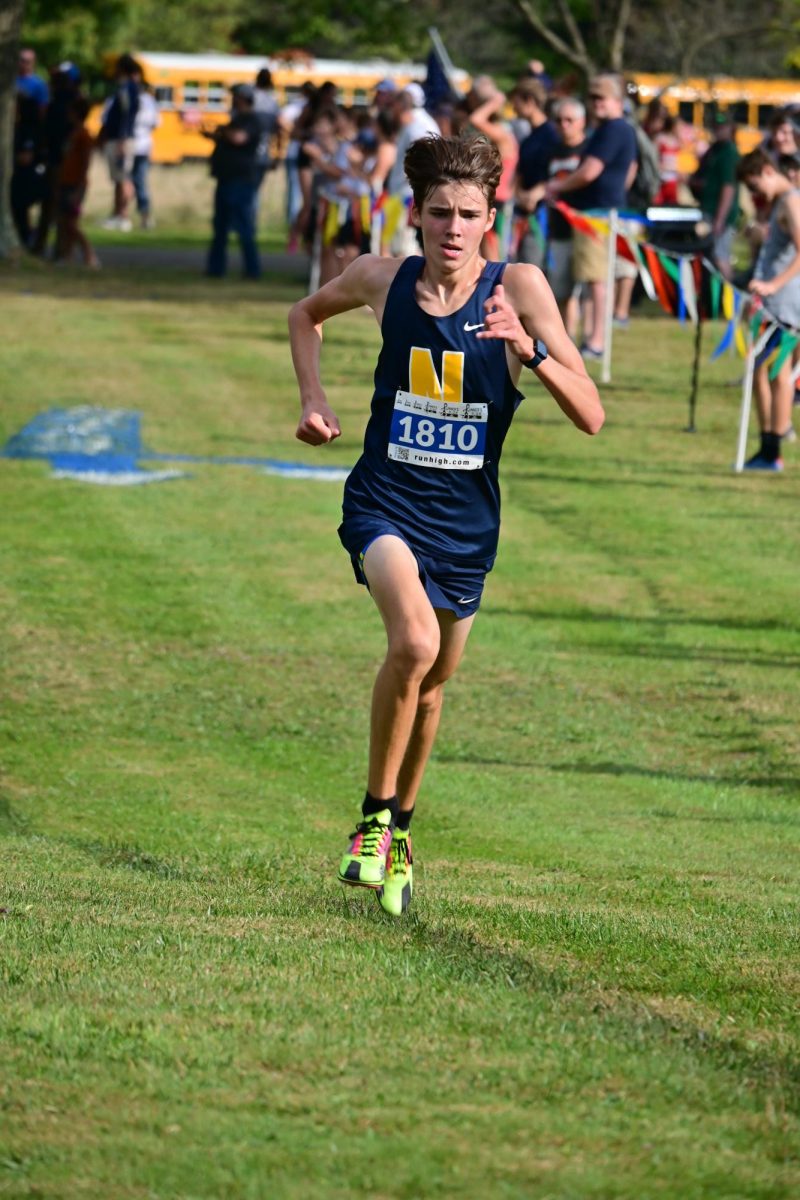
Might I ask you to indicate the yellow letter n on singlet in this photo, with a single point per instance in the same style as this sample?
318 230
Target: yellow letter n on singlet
425 382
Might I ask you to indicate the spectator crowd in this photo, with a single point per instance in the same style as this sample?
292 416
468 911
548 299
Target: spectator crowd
593 150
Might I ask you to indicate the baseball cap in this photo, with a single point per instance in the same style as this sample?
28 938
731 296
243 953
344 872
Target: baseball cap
415 91
245 91
386 85
70 70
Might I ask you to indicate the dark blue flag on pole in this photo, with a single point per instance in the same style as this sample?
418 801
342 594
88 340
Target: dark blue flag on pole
437 86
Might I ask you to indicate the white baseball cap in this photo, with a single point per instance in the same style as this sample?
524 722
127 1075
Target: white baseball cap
417 94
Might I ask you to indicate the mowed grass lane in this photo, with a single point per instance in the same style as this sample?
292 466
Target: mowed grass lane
595 994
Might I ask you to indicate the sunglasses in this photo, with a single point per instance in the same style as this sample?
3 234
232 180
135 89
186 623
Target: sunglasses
597 96
566 120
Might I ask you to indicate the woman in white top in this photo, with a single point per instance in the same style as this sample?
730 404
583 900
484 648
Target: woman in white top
147 119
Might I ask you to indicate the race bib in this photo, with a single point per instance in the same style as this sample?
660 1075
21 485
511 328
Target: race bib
433 433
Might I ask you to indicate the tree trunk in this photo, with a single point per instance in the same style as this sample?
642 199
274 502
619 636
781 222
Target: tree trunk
10 24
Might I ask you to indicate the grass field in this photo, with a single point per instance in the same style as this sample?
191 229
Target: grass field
595 994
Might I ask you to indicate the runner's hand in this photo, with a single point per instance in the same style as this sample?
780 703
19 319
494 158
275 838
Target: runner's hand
501 321
318 425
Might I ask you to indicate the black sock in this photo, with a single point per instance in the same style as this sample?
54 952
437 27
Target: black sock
404 818
770 446
372 805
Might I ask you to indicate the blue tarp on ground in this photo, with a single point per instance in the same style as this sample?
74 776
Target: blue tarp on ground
101 445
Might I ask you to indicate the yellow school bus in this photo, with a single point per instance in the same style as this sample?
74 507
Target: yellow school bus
750 102
193 90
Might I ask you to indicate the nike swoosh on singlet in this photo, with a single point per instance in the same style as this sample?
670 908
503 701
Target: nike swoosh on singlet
469 328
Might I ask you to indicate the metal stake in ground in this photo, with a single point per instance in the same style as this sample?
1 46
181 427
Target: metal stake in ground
698 339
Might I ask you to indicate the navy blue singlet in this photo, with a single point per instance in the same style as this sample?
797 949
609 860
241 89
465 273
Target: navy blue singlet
431 454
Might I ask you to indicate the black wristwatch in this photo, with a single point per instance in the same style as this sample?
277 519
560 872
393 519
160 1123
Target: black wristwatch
539 355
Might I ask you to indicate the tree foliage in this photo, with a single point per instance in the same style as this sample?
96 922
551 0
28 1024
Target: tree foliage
78 30
682 36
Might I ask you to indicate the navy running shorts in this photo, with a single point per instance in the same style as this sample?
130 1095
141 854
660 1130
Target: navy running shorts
454 586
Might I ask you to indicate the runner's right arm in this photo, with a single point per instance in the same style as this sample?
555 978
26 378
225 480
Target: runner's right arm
365 281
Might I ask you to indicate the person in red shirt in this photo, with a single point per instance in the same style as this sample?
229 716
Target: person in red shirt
659 125
73 180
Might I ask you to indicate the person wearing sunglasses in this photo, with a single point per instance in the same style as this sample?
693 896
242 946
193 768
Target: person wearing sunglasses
601 182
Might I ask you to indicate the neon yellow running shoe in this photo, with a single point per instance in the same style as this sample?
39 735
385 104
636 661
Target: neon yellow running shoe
364 864
395 895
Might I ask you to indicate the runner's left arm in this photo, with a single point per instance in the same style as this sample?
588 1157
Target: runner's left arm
524 309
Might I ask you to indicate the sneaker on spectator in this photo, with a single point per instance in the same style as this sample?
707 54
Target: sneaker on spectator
757 463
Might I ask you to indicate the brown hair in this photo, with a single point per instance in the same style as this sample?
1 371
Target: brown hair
782 116
531 89
432 161
754 163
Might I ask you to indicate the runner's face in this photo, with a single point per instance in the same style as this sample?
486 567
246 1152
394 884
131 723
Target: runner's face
453 220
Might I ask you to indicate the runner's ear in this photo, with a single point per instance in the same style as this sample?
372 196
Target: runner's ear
415 217
490 219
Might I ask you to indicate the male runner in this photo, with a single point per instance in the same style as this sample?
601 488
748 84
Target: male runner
422 505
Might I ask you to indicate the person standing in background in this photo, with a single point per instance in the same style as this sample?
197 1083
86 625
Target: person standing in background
73 180
65 88
414 123
776 283
233 165
529 99
484 105
719 198
116 138
148 119
267 110
601 182
569 116
28 83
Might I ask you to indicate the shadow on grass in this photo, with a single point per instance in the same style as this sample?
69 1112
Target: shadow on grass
537 475
677 653
132 858
10 820
662 621
666 651
778 783
183 284
461 955
788 784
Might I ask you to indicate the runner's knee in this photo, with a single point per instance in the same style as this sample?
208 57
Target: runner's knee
413 652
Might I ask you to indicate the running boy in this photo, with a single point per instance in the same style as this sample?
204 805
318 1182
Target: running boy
422 505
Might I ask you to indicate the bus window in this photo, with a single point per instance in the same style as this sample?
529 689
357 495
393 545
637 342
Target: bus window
360 96
765 112
191 94
163 97
739 112
216 96
710 110
686 111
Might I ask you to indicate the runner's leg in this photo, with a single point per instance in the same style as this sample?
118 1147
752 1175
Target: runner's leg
453 633
412 631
